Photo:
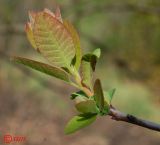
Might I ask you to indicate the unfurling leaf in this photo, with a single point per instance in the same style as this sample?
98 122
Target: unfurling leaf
95 55
80 99
88 106
98 94
108 96
78 122
92 57
78 94
48 34
76 41
88 64
86 73
45 68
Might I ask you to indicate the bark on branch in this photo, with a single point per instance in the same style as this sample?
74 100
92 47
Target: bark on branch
120 116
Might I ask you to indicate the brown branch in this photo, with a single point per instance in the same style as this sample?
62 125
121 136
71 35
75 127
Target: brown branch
120 116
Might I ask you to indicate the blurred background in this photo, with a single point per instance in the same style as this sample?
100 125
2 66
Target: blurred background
37 106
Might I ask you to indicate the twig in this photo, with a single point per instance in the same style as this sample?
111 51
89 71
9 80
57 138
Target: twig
120 116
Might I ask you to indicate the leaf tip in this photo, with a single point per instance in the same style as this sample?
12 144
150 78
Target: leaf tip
58 14
27 27
49 12
32 16
29 32
97 52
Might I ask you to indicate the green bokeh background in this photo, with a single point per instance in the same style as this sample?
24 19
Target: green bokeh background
38 106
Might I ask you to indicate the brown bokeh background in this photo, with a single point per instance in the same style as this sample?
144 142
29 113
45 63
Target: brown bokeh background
37 106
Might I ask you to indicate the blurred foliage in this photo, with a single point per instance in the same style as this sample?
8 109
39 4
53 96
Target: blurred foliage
128 33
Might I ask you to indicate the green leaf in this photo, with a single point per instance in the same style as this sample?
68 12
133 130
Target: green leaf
53 40
92 57
108 96
76 41
30 36
86 74
80 99
42 67
98 94
78 94
111 93
105 110
88 106
88 64
78 122
97 52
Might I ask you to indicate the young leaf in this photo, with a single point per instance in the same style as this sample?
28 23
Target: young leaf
76 41
109 95
92 57
97 52
80 99
53 39
42 67
78 122
78 94
89 61
105 110
30 36
88 106
98 94
86 73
